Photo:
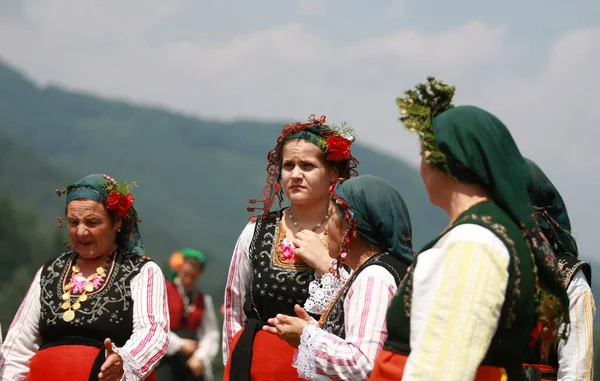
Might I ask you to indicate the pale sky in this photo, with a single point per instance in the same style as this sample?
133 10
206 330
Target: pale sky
535 64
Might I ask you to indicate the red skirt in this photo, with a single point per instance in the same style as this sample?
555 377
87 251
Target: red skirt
65 362
390 366
272 358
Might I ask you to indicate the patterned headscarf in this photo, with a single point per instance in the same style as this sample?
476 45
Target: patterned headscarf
374 210
334 141
551 211
474 146
117 198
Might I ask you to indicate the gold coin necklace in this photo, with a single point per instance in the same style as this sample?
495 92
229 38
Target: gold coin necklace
82 286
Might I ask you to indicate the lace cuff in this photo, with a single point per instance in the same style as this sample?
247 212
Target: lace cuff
304 358
131 369
322 290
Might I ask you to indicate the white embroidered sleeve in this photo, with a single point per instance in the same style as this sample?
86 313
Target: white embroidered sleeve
150 338
322 355
323 289
458 291
304 358
22 340
237 288
576 355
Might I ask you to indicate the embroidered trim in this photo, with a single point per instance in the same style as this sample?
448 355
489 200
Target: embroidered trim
568 271
323 289
279 257
131 369
305 356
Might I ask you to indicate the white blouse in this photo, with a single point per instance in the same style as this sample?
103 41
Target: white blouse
141 352
208 336
576 355
459 288
324 356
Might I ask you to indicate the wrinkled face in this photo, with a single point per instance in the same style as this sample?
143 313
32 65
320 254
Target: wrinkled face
335 229
305 174
189 274
91 229
434 181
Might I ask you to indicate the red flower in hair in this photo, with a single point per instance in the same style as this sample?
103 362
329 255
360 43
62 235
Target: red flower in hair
338 148
120 203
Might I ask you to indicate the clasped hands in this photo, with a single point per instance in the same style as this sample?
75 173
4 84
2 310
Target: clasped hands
289 328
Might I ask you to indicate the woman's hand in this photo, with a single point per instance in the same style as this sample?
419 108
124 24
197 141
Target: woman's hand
188 347
289 328
312 251
196 365
112 369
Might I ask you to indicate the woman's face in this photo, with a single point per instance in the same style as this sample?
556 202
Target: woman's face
92 232
189 274
335 230
434 180
305 174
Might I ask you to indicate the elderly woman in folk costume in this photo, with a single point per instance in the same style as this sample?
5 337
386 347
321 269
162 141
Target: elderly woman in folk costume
370 231
98 311
194 336
489 286
281 255
572 359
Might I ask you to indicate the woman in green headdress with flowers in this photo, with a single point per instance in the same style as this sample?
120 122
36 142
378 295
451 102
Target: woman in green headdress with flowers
194 336
98 311
572 359
489 286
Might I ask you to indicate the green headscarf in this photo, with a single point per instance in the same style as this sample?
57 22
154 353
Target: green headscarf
472 145
380 214
188 253
96 187
193 253
551 211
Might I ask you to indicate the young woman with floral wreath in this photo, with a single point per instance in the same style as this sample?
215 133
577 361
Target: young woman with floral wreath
489 286
281 254
98 311
370 231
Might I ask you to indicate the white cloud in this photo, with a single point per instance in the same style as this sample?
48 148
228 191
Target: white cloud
398 9
311 7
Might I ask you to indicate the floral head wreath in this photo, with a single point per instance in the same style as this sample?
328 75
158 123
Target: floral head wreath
349 231
418 108
335 142
116 197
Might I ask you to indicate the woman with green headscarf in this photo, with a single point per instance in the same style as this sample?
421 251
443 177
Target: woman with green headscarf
572 359
98 311
194 336
488 286
369 231
281 257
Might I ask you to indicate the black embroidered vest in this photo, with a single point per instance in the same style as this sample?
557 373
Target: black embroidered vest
107 313
335 322
275 289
